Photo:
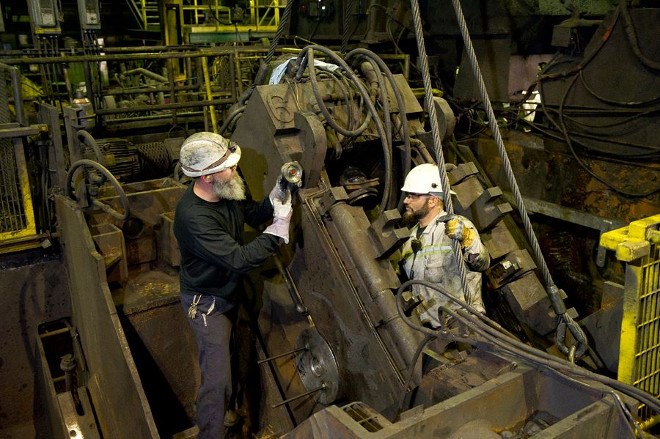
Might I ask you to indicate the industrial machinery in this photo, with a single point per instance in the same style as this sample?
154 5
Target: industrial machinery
331 345
335 350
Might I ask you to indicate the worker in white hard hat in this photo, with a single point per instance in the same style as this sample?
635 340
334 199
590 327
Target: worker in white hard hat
208 225
428 254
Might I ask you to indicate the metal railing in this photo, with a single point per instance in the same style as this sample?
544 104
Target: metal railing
16 210
638 245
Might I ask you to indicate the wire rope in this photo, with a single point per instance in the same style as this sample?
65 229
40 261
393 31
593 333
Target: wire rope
565 320
437 141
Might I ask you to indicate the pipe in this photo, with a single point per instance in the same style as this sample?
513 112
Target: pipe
18 100
16 86
35 59
209 95
302 395
376 280
147 73
177 105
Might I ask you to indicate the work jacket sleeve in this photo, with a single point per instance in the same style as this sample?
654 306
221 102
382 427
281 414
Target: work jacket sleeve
212 242
257 213
476 255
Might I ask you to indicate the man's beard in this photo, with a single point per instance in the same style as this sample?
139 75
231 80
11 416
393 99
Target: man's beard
233 189
410 218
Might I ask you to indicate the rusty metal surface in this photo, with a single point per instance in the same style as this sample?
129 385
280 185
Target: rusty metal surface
110 243
604 325
324 286
165 345
339 264
518 403
565 183
68 412
530 303
113 375
168 247
34 290
147 201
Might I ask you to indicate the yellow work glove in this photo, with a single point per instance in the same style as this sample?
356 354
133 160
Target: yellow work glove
457 228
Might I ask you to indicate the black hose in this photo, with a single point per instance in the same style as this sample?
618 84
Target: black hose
411 371
632 37
236 112
569 142
527 352
324 109
399 101
387 153
493 333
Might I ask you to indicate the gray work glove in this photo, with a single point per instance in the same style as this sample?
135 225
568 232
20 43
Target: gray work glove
281 219
279 192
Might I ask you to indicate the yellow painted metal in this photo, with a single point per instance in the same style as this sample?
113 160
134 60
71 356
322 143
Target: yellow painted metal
263 17
271 14
209 94
143 11
633 241
18 184
232 29
651 422
639 349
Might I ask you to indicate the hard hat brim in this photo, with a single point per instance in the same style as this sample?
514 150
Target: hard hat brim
231 161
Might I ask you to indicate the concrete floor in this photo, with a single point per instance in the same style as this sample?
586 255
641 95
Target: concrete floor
33 290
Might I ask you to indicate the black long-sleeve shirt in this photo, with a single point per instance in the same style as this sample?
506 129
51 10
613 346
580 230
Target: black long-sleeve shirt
211 242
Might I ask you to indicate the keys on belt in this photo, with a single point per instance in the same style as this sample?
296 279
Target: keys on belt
192 310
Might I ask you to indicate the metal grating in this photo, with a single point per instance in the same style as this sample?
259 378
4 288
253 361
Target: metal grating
646 369
365 416
638 245
12 211
16 213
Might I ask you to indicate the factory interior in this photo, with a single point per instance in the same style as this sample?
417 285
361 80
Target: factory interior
540 117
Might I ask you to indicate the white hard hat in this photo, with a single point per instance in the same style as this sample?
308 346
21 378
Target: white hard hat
423 179
207 153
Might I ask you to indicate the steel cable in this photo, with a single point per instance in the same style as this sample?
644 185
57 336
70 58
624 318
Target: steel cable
346 35
263 69
552 290
437 141
280 30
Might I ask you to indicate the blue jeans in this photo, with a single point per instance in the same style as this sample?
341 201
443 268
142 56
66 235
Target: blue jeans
213 332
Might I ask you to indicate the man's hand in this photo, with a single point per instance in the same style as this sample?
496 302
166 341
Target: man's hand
458 228
281 217
280 191
282 209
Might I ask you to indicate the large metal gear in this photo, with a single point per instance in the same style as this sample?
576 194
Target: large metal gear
317 366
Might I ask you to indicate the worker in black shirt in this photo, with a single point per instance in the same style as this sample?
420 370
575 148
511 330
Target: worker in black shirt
208 225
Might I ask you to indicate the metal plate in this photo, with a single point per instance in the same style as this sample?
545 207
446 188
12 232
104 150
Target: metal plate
317 366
